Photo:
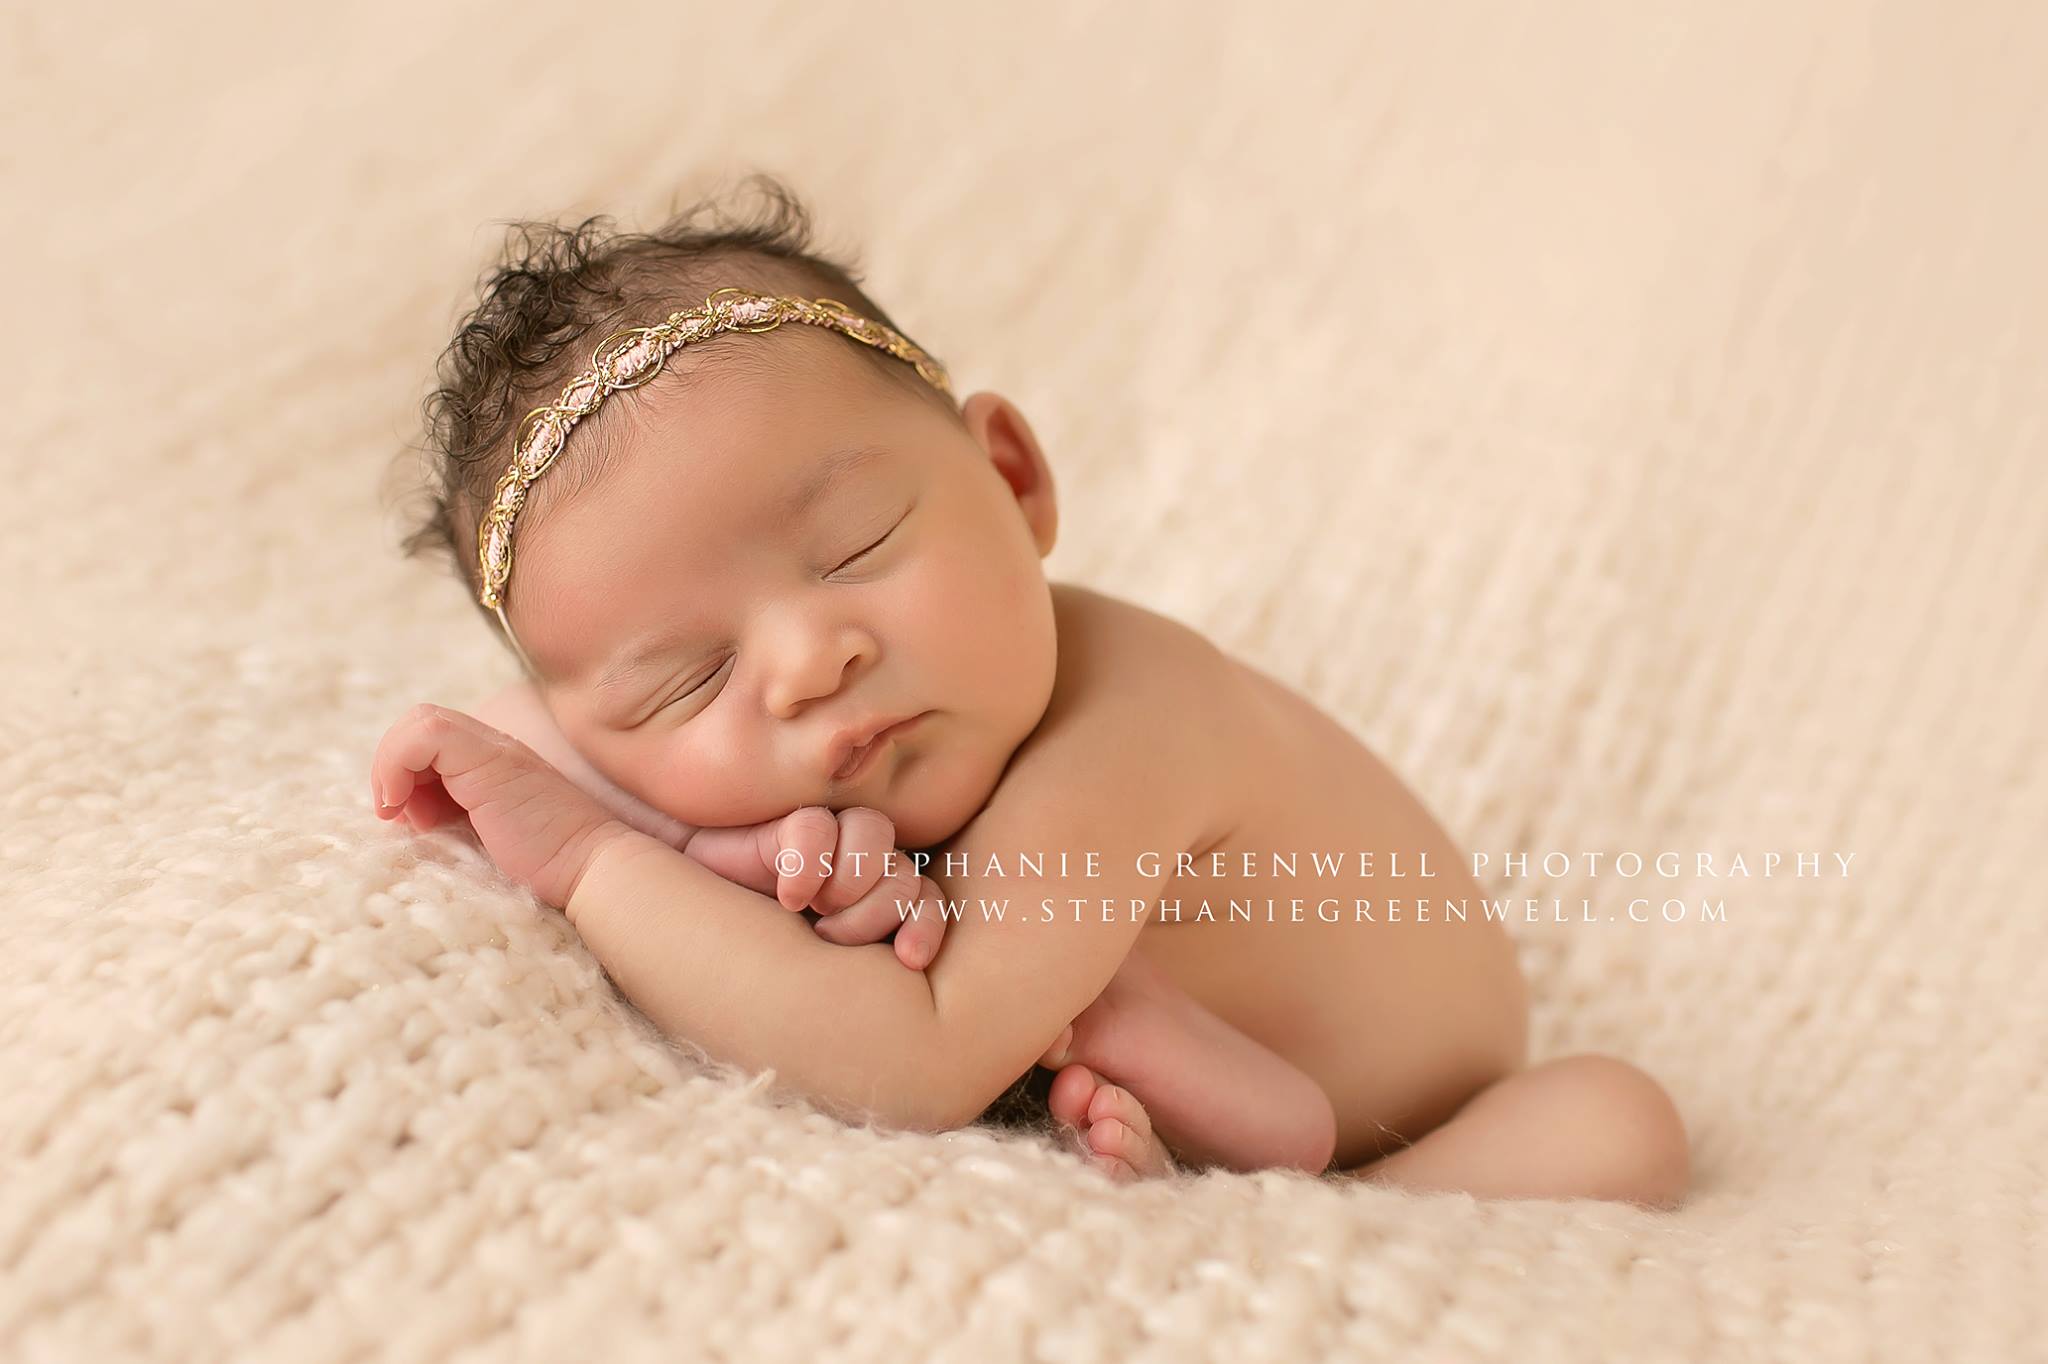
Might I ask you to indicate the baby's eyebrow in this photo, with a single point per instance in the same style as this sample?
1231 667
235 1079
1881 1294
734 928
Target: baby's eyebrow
826 474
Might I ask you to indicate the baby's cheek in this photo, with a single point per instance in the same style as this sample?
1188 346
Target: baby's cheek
724 793
963 607
1017 632
932 597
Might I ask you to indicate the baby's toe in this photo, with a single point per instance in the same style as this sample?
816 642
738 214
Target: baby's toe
1113 1130
1114 1101
1073 1090
1113 1166
1055 1055
1112 1142
1120 1130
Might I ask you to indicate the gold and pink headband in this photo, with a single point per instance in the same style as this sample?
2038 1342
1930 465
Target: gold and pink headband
630 357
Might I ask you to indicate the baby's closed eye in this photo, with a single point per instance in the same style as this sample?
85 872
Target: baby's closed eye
702 687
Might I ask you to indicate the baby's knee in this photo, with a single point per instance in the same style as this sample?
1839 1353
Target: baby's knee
1645 1151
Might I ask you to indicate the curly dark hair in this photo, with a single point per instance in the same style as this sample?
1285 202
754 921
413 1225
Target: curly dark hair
554 294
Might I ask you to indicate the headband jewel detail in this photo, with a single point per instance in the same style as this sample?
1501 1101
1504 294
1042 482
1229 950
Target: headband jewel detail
630 357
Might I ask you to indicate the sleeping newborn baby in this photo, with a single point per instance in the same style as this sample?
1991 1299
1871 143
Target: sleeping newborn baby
790 647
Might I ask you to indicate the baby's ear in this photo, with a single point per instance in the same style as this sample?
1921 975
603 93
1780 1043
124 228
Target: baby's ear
1006 439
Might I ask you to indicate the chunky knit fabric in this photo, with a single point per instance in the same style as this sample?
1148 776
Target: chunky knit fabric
1631 425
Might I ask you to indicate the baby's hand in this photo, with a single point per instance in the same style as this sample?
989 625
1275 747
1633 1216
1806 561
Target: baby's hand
438 765
520 712
857 899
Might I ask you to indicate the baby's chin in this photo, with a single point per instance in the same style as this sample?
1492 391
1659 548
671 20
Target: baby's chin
930 799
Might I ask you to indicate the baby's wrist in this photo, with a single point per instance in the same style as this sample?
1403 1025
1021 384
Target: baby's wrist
605 844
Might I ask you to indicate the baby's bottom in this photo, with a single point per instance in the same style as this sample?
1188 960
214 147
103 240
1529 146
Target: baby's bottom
1583 1126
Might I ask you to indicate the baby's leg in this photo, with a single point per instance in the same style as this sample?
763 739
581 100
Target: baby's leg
1577 1127
1213 1095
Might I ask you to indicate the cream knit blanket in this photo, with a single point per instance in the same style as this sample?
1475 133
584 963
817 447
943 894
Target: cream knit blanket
1629 422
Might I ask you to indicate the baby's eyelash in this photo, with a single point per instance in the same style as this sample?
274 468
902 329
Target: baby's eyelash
870 549
695 688
898 525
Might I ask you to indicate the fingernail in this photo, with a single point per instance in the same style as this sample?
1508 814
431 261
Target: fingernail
1059 1048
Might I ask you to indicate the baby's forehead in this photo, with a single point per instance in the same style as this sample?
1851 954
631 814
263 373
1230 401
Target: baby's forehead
771 418
734 472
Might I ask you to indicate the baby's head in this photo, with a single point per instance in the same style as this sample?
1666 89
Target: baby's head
779 538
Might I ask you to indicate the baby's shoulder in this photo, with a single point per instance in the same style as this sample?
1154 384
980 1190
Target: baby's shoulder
1113 653
1155 693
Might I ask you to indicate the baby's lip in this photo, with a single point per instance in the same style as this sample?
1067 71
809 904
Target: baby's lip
853 745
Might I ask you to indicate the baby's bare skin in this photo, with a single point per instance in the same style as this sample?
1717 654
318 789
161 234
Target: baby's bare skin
1307 1044
1401 1024
713 653
1329 998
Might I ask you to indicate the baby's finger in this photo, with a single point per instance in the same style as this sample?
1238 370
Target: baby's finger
918 941
429 739
431 806
883 910
743 854
866 838
803 839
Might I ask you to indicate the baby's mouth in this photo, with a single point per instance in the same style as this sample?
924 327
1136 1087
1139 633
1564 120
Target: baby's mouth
861 759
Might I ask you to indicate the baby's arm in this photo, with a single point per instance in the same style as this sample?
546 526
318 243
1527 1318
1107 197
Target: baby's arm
846 905
1118 775
1214 1095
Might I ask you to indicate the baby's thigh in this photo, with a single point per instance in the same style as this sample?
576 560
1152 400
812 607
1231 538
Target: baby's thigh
1427 1022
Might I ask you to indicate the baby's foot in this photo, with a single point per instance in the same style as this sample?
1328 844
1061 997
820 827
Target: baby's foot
1110 1124
1213 1095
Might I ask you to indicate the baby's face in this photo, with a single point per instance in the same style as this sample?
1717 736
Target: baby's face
910 585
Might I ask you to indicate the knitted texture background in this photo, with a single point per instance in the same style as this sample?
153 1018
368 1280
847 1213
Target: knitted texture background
1627 420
